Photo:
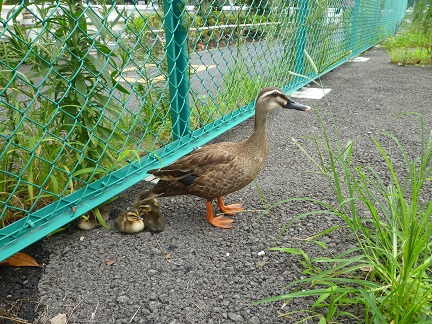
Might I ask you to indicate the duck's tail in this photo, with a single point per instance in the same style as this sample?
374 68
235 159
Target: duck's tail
165 189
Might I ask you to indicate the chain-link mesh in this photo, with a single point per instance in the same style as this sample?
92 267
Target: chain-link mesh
93 96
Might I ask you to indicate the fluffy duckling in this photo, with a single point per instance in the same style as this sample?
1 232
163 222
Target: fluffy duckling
90 221
129 222
149 210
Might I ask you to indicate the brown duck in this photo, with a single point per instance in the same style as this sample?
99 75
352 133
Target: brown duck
218 169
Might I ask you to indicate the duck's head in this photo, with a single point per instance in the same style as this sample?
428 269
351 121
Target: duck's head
132 217
150 211
136 224
147 205
85 223
272 98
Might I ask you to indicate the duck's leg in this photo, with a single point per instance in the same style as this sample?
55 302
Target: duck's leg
220 221
229 209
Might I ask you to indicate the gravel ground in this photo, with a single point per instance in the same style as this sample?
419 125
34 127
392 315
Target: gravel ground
194 273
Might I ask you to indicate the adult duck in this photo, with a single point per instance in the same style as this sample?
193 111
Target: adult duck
219 169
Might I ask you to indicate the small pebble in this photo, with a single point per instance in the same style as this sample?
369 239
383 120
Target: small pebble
254 320
122 299
82 238
326 239
261 253
59 319
152 296
154 305
235 317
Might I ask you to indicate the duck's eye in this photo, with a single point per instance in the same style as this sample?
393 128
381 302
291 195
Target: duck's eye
275 94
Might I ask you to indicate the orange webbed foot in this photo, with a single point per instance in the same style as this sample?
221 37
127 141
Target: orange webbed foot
220 221
229 209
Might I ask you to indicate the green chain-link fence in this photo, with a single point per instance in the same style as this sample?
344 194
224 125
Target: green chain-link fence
91 96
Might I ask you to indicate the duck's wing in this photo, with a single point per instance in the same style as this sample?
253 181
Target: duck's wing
196 163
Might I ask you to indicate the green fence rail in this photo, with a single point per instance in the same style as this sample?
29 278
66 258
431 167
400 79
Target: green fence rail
91 97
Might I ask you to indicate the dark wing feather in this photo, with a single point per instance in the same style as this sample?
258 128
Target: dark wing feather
188 180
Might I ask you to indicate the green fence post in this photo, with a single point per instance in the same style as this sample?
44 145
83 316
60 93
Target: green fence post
301 41
354 28
178 74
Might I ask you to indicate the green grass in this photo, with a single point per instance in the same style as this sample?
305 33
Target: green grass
58 133
411 48
387 276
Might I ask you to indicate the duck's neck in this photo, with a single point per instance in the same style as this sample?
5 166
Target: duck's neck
259 134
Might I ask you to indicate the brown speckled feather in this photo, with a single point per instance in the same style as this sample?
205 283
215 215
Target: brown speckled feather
197 162
219 169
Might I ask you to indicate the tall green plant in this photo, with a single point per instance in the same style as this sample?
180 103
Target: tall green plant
83 83
414 44
388 274
388 213
422 16
60 116
144 45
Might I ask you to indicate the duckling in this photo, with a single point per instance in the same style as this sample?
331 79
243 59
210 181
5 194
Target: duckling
129 222
90 221
219 169
149 210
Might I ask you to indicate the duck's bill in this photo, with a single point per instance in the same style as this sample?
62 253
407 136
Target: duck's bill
291 104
